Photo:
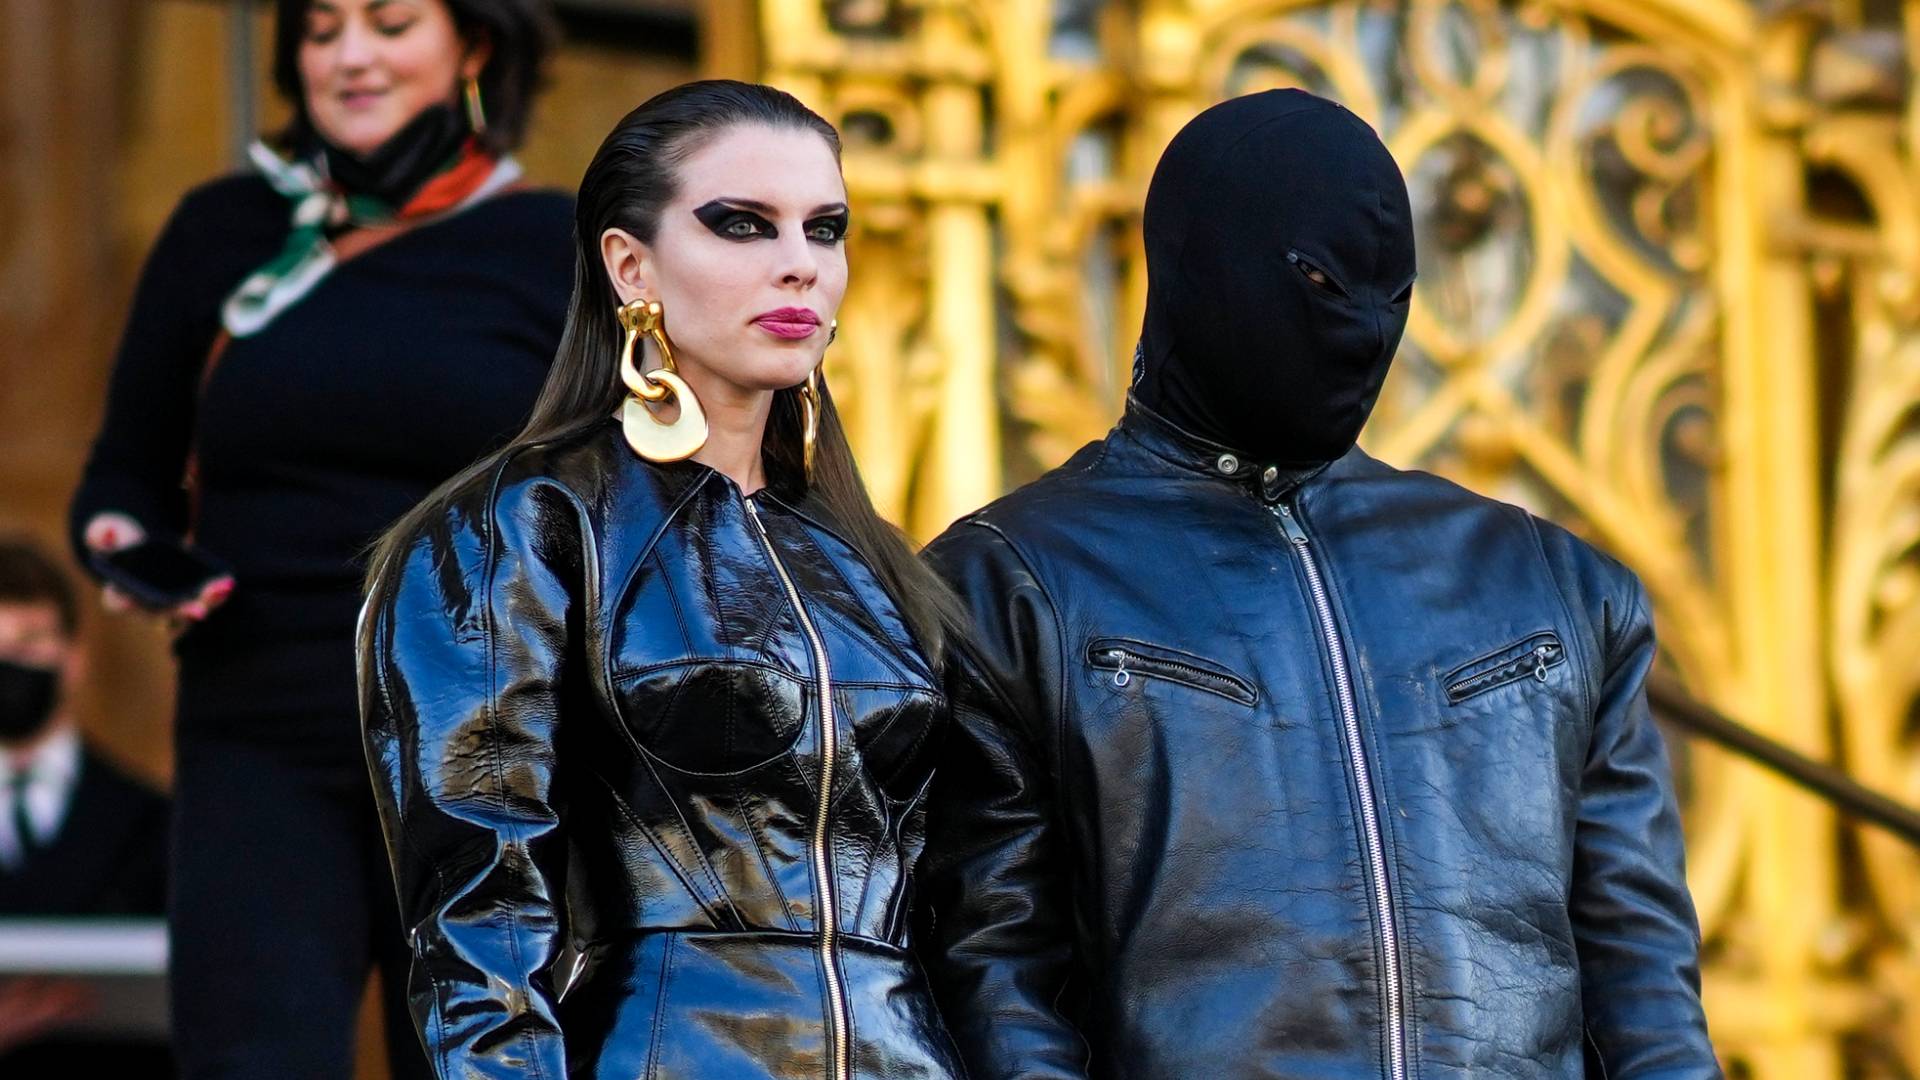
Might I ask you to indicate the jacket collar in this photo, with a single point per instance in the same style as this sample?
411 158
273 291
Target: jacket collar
1167 440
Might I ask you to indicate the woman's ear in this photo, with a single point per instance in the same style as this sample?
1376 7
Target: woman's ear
628 264
479 52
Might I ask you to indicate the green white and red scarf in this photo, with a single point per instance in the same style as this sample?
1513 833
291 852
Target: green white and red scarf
325 215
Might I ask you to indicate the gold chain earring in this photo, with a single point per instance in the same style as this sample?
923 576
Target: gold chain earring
651 437
809 420
810 407
476 114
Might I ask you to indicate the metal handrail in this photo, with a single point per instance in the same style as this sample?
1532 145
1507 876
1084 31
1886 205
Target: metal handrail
1671 702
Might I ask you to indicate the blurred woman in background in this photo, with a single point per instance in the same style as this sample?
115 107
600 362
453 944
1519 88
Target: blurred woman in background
315 345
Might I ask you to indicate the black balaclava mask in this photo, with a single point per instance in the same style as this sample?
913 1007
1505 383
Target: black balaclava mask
1255 203
27 698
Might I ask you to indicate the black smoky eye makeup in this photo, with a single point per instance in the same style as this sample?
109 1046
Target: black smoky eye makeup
828 228
732 222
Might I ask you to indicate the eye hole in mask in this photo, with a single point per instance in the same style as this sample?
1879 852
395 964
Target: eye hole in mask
1320 278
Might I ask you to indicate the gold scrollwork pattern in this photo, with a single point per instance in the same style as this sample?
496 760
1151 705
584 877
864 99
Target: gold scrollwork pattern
1860 238
1669 297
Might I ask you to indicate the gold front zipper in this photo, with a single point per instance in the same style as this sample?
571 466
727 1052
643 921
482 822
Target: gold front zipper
829 915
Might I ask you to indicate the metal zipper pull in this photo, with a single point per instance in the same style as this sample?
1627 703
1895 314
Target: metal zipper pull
1121 676
1292 527
1540 654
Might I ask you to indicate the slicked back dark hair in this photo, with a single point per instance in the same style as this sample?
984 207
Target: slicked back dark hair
521 32
29 576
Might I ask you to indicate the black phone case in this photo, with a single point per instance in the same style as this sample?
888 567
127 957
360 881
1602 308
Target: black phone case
144 592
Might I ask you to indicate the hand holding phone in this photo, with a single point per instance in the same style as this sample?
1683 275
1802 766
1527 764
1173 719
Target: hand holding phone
161 574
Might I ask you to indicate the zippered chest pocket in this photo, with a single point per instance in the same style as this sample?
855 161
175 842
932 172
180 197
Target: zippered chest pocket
1533 657
1122 660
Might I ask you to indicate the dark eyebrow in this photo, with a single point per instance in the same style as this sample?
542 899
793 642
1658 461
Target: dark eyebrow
759 207
751 204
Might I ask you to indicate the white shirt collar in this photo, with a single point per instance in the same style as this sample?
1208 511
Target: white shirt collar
57 760
52 772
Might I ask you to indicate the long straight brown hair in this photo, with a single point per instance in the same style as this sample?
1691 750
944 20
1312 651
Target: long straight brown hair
627 185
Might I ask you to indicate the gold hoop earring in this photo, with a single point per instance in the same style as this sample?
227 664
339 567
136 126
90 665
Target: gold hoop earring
476 114
809 420
651 437
833 331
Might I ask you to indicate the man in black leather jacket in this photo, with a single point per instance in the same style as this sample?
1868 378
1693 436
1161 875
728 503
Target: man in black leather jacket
1293 764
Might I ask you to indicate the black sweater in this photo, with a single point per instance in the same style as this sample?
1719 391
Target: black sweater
399 369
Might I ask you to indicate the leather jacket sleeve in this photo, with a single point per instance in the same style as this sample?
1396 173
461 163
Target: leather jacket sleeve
996 926
461 664
1633 920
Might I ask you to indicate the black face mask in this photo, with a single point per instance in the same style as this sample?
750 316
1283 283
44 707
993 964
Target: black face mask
27 698
1280 264
406 161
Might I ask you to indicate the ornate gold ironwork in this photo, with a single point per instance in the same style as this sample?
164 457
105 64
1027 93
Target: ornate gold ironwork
1670 298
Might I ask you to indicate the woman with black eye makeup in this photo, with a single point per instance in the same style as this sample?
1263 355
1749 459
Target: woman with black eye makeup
315 345
652 696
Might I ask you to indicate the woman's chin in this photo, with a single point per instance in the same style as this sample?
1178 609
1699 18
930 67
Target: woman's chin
780 367
359 136
756 366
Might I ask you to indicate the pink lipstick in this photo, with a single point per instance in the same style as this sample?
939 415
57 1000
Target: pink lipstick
790 323
360 99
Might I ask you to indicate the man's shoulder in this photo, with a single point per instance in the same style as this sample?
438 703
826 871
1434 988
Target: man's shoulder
104 778
1054 500
1398 496
1363 477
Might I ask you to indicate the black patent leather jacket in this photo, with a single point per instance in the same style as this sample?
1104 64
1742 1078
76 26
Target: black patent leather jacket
1346 774
618 706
